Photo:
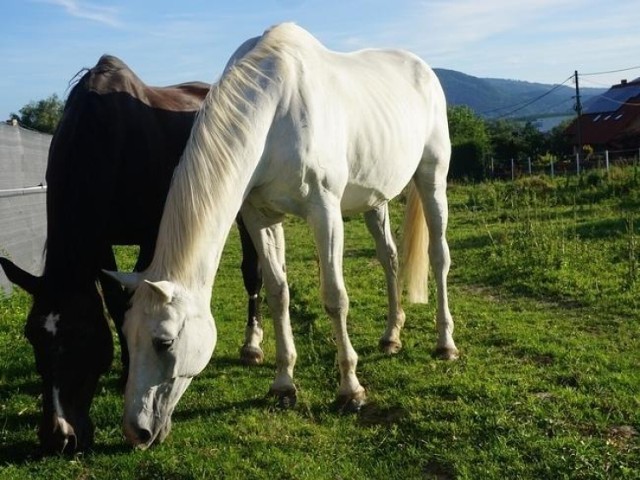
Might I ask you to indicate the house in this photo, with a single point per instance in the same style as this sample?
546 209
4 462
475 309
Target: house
610 121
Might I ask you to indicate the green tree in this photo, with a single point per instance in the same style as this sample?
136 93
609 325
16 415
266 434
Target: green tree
558 143
41 115
532 140
504 142
512 139
469 142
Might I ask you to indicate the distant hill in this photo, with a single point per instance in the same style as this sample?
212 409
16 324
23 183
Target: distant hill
493 97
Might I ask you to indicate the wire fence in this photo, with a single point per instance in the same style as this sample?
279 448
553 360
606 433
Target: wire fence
23 220
512 168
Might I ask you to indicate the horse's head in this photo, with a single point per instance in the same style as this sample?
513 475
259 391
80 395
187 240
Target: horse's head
73 346
171 336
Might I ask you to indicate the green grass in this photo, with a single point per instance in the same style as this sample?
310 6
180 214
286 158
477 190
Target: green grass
544 289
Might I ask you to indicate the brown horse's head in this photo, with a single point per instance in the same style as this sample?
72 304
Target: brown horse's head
73 346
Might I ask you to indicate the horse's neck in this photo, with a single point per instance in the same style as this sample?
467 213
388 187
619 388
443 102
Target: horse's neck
73 249
208 188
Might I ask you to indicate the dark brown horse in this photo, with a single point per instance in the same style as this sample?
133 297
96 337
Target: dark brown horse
110 165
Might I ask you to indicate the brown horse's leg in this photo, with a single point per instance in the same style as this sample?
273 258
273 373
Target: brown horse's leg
251 352
115 299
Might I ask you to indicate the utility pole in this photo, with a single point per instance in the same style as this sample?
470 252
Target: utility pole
578 108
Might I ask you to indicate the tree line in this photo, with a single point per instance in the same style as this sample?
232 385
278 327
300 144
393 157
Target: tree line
41 115
474 140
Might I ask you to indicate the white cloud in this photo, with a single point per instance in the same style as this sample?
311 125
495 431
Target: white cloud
97 13
544 40
453 26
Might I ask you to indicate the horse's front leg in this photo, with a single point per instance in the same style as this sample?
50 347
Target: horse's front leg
268 238
328 229
115 299
377 222
251 352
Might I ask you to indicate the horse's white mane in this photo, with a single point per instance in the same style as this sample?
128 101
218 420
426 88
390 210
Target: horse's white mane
210 167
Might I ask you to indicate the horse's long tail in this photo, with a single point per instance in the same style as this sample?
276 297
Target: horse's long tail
414 269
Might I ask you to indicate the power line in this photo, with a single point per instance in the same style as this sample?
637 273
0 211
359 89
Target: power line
604 95
516 107
561 102
612 71
599 84
613 100
534 100
520 105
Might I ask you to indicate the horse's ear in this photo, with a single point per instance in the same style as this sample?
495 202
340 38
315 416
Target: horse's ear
28 282
129 280
163 288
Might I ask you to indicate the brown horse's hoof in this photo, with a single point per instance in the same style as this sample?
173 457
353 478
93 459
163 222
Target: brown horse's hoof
287 399
446 354
251 355
351 403
389 347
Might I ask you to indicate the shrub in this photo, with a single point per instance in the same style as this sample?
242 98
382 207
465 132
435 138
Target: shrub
467 161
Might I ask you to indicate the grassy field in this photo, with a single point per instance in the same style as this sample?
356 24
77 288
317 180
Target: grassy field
544 288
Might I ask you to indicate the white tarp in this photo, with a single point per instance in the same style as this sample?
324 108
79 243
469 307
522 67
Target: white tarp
23 220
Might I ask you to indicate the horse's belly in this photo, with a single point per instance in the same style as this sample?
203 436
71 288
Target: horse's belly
357 199
374 184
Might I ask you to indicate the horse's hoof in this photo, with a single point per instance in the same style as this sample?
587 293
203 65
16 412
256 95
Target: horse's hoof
351 403
251 355
390 347
444 353
287 399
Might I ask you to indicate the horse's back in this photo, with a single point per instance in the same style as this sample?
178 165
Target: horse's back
113 155
360 120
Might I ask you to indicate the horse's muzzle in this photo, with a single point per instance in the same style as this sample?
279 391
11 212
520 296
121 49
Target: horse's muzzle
142 438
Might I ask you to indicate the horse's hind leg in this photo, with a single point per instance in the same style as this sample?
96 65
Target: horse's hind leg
251 352
328 229
377 222
430 180
268 238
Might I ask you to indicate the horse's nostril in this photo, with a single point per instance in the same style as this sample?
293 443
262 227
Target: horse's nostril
144 435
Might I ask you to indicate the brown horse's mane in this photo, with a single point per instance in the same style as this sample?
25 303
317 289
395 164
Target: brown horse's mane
112 75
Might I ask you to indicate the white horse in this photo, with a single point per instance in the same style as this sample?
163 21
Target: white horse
291 127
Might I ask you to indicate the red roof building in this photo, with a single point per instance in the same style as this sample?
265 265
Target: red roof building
610 121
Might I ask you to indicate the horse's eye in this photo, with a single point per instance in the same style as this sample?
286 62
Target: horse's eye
162 344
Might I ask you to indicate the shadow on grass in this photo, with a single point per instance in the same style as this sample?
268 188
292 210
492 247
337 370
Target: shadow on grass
472 242
364 252
17 387
121 448
604 229
373 414
19 453
25 452
229 361
259 403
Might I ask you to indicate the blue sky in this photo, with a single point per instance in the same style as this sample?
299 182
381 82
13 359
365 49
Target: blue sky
43 43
